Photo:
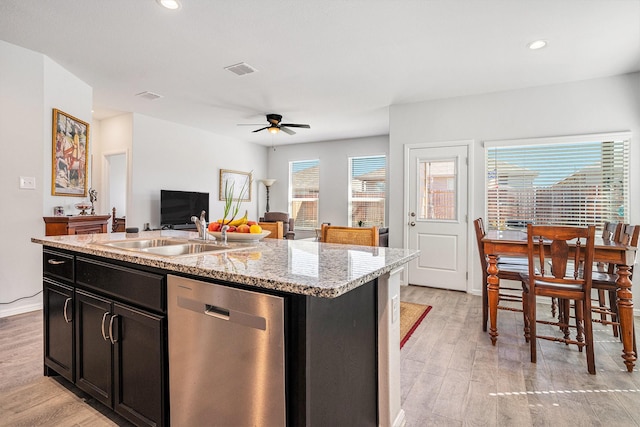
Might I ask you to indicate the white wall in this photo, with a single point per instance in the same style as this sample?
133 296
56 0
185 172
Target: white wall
170 156
64 91
334 174
592 106
112 136
31 85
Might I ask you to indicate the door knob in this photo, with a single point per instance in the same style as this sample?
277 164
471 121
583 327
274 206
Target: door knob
412 223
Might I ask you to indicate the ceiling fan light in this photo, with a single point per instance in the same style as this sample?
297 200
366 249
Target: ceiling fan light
274 129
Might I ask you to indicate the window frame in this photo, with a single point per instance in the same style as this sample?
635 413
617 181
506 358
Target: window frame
351 199
624 136
292 200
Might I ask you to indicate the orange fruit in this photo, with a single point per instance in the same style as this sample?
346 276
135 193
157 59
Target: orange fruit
255 229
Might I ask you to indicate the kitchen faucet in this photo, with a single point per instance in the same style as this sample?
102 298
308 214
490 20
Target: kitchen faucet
224 229
201 225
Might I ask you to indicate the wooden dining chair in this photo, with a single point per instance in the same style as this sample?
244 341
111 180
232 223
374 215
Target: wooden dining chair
560 281
610 232
505 272
364 236
276 229
604 280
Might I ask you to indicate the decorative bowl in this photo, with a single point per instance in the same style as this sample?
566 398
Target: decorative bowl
241 237
83 206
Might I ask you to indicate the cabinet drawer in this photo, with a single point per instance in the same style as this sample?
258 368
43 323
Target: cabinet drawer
58 264
136 287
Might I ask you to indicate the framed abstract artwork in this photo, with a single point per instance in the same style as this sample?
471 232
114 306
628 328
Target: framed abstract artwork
239 183
70 155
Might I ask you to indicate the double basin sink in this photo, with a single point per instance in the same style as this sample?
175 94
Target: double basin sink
171 247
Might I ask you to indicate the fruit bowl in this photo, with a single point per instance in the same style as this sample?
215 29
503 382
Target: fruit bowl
240 237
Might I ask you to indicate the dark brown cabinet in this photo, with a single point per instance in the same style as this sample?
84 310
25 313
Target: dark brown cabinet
139 366
79 224
94 352
105 330
120 357
58 325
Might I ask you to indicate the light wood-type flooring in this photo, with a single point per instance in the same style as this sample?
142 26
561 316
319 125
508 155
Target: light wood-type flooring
451 375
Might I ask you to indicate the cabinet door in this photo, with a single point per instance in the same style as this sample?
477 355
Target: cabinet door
94 352
58 328
139 370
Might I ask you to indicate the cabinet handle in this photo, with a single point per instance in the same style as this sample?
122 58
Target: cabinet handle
111 329
104 317
56 261
64 310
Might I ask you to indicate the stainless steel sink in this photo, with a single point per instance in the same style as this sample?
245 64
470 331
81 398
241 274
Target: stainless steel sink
171 247
185 249
145 243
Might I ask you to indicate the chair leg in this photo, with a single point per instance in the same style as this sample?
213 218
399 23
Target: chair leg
554 307
580 323
588 326
565 307
532 326
485 303
613 305
602 302
525 316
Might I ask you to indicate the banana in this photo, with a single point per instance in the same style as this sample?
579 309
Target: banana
237 222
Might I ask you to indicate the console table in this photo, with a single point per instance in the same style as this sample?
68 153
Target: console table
78 224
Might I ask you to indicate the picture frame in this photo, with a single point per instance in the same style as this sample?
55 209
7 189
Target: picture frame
238 179
70 155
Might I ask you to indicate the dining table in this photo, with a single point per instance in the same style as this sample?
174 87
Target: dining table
514 242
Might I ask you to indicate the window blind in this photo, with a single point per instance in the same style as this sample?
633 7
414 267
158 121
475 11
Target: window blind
573 183
304 193
367 190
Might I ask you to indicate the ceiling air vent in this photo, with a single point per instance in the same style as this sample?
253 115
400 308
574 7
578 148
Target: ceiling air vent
148 95
241 69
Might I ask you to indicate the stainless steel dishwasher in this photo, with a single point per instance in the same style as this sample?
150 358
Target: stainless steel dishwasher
226 355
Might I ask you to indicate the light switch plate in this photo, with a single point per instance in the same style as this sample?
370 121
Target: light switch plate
28 182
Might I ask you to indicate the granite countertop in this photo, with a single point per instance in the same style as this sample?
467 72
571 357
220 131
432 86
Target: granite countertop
294 266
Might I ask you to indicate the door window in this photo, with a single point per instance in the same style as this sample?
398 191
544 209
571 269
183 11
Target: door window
437 190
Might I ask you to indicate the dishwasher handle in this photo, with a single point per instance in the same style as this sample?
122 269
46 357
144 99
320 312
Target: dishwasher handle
231 315
215 311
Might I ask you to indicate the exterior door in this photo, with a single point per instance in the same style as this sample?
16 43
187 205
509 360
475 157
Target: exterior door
438 216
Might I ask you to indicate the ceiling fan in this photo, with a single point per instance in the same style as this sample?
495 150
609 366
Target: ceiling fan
276 126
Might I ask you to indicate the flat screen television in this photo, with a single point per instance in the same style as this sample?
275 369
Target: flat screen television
177 208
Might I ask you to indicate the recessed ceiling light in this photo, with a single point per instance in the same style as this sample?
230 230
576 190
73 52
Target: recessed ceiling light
538 44
169 4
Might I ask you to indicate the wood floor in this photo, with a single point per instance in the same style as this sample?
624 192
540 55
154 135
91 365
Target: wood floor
451 375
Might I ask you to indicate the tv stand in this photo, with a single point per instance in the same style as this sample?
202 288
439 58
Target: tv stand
184 227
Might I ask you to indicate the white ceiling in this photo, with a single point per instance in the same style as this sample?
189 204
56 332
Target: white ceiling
334 64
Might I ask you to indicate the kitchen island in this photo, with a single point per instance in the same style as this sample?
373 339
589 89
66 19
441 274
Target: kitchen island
340 326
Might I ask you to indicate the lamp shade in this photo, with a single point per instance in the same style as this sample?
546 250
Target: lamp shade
268 182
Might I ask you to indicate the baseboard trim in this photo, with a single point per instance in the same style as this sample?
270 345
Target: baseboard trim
20 310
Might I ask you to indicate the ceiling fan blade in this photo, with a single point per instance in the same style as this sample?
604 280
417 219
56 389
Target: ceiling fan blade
286 130
258 130
294 125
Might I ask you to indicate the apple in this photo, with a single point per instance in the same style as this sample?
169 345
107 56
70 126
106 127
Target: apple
250 223
231 229
244 228
214 226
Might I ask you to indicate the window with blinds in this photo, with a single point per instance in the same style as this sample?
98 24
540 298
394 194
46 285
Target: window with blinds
578 182
304 192
367 190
